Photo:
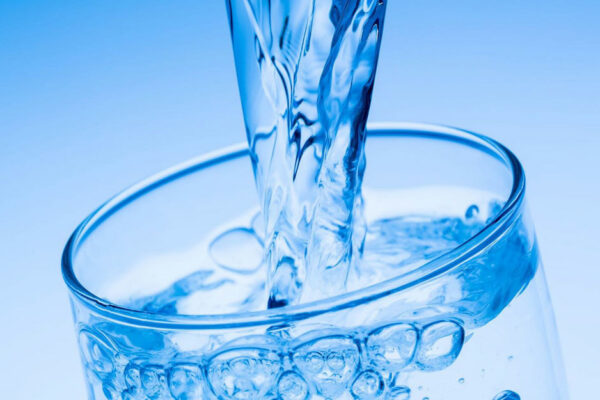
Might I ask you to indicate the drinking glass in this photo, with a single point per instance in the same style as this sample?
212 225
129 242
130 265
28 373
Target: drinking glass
162 278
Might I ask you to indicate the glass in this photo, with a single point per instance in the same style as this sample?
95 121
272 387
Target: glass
474 322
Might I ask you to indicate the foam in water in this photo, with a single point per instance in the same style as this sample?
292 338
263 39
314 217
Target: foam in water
306 70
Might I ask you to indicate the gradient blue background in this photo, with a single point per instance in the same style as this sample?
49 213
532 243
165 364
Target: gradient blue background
95 95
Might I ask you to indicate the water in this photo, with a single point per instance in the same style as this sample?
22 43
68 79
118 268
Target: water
306 70
326 361
231 279
332 366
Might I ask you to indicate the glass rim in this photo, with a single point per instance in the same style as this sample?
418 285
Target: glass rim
426 272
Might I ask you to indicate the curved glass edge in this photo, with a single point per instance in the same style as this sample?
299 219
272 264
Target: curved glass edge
428 271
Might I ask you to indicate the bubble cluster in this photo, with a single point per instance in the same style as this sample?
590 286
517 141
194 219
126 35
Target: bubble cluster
185 382
362 365
154 381
243 373
329 363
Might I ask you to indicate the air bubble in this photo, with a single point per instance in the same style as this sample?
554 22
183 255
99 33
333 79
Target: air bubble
440 344
368 385
185 382
507 395
314 362
96 351
133 382
329 363
392 347
238 250
154 381
292 386
243 373
336 361
132 376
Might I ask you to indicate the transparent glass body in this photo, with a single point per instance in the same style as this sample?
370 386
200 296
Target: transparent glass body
474 322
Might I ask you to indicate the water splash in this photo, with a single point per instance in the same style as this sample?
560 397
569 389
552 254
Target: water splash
305 71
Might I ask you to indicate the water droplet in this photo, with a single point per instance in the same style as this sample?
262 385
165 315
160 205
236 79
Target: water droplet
440 344
507 395
461 380
247 373
472 212
97 352
238 250
292 386
510 358
329 363
368 385
392 347
185 382
399 393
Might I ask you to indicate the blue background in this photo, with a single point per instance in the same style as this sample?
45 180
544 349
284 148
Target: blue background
95 95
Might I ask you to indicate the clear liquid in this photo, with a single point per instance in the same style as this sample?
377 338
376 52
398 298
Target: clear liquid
382 356
233 264
306 70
